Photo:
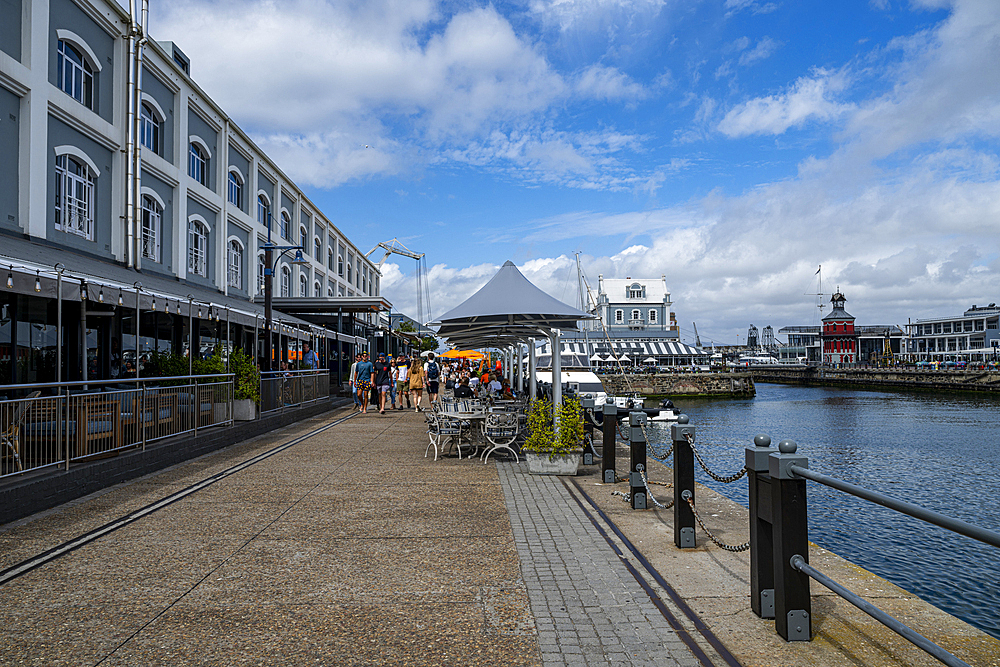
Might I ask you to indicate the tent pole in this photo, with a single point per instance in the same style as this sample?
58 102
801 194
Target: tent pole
532 383
556 381
518 371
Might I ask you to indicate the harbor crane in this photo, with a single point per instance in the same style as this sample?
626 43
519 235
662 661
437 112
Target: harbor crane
697 338
396 247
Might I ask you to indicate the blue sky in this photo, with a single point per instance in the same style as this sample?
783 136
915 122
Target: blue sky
730 145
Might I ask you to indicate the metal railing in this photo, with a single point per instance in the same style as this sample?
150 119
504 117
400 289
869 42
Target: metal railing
56 423
778 544
280 390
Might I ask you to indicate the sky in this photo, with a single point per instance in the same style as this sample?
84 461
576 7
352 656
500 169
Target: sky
733 146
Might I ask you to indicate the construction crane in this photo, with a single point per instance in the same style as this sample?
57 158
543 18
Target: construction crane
697 339
396 247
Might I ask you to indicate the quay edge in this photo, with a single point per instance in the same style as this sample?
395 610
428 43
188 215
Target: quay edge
883 378
682 385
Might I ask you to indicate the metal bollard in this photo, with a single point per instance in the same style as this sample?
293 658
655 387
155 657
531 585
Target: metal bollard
637 447
608 447
761 556
587 404
792 604
684 536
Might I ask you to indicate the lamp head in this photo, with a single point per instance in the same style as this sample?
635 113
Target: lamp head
299 259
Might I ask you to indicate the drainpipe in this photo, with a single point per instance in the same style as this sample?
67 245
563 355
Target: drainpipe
137 147
130 140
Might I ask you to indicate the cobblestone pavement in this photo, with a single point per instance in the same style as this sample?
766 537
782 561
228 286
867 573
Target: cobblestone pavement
588 608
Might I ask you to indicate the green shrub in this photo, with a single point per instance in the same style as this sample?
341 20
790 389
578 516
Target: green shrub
541 435
247 376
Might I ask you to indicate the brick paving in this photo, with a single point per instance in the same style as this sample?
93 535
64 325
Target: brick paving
588 608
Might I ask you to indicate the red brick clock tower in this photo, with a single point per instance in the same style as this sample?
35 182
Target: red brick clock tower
840 342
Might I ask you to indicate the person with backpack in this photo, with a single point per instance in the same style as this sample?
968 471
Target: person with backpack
433 372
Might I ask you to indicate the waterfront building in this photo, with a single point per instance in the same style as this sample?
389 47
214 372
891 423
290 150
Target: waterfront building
972 336
185 220
635 323
840 341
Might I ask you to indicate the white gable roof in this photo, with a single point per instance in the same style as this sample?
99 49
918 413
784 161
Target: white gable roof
617 288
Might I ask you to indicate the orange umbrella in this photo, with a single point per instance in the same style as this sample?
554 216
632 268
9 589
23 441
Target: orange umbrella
462 354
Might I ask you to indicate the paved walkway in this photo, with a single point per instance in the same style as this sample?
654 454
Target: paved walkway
348 548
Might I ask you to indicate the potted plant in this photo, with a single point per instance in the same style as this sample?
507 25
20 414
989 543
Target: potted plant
247 386
546 453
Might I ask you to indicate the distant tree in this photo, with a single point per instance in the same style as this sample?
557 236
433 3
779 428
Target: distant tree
428 343
405 326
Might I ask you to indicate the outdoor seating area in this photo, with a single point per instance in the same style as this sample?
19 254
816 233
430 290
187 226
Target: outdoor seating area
62 422
479 426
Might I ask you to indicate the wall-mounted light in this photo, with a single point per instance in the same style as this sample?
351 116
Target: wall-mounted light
38 282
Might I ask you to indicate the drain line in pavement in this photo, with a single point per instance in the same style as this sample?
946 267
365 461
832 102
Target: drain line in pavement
26 566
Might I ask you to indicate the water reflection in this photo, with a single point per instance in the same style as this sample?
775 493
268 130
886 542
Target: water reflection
937 450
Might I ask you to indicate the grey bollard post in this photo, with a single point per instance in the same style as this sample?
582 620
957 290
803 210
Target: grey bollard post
684 536
610 433
587 405
761 560
637 447
792 604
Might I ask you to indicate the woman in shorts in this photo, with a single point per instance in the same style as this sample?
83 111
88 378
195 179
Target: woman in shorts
417 379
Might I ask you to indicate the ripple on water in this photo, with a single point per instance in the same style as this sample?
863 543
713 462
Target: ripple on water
938 451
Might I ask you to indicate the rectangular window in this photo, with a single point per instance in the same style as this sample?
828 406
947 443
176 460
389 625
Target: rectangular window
947 327
619 316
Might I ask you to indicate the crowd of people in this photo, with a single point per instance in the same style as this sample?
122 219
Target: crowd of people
384 382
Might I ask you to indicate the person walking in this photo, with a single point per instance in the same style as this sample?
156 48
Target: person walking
364 378
417 381
383 379
350 376
402 383
433 371
393 373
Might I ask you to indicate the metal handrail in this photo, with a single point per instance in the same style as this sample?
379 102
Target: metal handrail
904 631
50 385
917 512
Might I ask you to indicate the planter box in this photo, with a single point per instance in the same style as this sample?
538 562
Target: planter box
541 464
244 410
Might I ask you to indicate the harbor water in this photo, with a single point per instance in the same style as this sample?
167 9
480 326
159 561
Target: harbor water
940 451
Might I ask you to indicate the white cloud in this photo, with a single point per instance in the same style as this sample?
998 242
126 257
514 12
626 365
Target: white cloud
752 6
810 98
607 83
765 47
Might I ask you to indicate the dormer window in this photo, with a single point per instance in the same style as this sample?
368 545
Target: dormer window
635 291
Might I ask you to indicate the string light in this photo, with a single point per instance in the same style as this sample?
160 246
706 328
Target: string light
178 307
84 294
121 301
154 304
100 295
10 277
199 312
38 282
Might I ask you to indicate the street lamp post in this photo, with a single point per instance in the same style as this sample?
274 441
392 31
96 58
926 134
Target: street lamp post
270 262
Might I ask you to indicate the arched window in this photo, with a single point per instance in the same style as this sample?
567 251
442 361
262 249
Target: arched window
234 264
75 74
340 265
197 248
318 249
198 164
652 317
286 226
317 289
303 286
260 273
286 280
329 290
236 189
75 196
329 259
304 239
635 314
349 264
263 210
150 128
152 217
635 291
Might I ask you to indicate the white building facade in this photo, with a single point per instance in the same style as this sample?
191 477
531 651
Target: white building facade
207 192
